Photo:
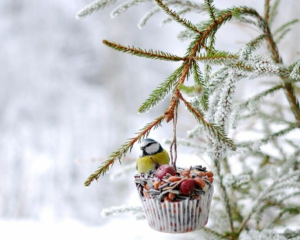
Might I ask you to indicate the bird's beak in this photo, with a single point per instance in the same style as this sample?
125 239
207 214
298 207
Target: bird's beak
142 148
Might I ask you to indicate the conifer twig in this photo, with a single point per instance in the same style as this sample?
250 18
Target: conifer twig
144 53
273 12
259 200
211 128
217 57
270 137
94 6
267 10
176 17
261 95
213 232
161 91
284 26
289 90
210 9
123 150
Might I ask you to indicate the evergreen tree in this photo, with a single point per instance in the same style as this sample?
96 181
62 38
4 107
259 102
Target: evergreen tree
265 194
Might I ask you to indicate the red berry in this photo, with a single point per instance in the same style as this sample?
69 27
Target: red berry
163 170
187 186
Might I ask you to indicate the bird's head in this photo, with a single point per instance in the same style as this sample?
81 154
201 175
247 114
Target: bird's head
150 147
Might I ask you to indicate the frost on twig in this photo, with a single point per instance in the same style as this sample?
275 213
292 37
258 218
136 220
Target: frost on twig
94 6
137 211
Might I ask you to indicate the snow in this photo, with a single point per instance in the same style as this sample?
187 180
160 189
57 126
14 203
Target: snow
70 229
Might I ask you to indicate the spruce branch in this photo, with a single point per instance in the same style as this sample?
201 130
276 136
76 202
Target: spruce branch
180 13
199 81
121 209
289 90
259 96
117 155
94 6
147 16
211 129
251 47
287 210
216 57
160 55
210 9
284 26
282 35
271 137
225 100
161 92
295 73
197 75
260 199
218 158
125 6
273 12
183 4
267 10
176 17
213 233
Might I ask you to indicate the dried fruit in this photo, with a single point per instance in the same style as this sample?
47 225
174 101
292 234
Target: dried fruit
147 186
200 182
187 187
174 179
201 174
163 170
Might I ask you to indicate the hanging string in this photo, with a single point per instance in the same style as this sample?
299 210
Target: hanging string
173 146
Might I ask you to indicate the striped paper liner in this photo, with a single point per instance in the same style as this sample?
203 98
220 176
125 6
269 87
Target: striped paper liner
178 217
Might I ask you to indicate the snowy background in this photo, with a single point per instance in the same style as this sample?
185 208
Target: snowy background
67 102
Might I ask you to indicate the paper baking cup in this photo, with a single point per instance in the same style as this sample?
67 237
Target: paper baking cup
178 217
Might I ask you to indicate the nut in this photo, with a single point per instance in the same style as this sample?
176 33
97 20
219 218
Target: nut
201 174
146 194
200 182
167 199
147 186
209 174
210 179
171 196
174 178
185 173
156 185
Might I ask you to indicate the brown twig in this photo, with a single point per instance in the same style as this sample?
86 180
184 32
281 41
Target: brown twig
289 90
267 10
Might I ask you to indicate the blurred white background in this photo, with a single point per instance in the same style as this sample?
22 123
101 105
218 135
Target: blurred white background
67 102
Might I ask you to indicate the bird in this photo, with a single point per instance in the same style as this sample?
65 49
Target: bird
153 155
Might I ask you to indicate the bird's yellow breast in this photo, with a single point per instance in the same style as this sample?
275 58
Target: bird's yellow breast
148 162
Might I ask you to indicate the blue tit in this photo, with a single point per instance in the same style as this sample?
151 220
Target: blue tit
153 155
